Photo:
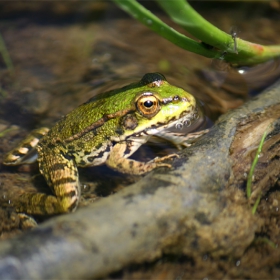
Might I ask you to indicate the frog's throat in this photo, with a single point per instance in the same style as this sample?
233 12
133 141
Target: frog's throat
180 123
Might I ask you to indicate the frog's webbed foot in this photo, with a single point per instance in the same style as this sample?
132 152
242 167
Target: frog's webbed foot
118 161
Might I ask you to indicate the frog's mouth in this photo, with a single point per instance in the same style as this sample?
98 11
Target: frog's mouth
186 121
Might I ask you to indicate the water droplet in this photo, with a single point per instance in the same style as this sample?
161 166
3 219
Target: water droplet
238 263
149 21
205 257
277 209
9 201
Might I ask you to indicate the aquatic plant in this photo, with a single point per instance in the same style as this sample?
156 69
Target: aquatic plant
212 42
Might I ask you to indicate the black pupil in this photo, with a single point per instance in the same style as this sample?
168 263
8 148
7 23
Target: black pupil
148 103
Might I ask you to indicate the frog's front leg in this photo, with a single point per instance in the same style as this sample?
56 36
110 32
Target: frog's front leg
118 159
61 175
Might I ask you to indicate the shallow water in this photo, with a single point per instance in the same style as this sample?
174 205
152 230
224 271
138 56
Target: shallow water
63 54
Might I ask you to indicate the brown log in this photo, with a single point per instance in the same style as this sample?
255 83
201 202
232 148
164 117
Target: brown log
197 207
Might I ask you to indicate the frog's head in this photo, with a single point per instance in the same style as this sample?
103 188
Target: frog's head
158 106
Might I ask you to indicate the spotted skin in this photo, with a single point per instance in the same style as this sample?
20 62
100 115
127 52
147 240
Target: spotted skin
107 129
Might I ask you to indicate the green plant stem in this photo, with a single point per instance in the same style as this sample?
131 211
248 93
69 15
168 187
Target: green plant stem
150 20
256 204
183 14
220 44
267 241
4 132
252 169
248 53
5 55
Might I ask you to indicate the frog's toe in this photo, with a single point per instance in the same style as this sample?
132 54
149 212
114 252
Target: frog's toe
164 165
160 159
26 221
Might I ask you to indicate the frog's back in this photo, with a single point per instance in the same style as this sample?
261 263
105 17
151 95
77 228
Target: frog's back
92 114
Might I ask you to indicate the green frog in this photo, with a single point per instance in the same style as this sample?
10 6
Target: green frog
108 129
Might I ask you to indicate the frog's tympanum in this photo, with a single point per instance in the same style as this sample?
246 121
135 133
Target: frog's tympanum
108 129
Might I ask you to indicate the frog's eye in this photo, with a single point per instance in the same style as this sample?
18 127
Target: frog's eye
148 105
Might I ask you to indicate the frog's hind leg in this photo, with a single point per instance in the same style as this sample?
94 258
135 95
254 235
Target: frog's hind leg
26 152
61 175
